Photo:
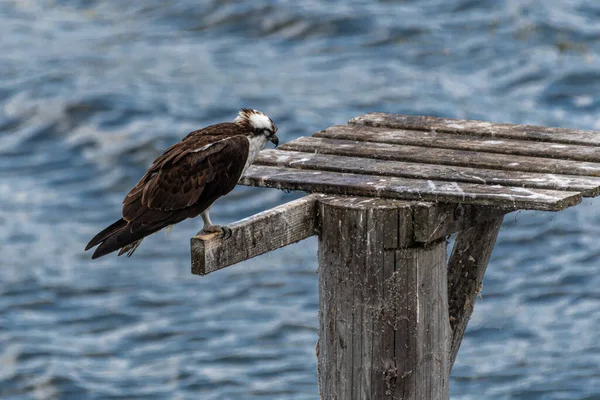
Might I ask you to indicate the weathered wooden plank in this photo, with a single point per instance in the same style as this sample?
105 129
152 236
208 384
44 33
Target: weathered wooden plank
408 189
256 235
470 257
436 221
480 128
428 155
462 142
368 314
587 185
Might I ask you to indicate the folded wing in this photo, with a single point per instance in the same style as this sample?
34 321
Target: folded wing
183 182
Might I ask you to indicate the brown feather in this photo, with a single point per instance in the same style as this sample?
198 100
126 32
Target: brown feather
181 183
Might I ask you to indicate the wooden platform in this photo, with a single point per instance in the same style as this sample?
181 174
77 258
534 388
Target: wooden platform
390 189
440 160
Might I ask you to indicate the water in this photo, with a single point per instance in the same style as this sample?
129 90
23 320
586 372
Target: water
92 91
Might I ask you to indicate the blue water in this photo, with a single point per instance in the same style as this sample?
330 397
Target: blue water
92 91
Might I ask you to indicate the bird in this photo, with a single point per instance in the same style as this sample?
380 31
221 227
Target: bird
186 180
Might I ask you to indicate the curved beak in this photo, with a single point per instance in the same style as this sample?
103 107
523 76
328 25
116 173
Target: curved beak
275 140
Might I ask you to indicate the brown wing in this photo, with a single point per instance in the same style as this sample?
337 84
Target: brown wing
196 171
183 182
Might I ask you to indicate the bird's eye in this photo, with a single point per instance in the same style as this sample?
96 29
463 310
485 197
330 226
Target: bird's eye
267 132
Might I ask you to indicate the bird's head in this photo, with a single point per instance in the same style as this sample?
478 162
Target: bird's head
257 123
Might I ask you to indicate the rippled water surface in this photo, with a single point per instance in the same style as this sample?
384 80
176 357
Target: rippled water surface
92 91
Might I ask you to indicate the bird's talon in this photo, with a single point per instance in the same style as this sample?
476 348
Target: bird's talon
209 232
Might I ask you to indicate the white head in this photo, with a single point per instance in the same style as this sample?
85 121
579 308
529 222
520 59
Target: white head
257 123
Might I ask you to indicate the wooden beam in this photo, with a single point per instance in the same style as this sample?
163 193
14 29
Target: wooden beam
428 155
409 189
435 221
435 139
466 268
256 235
480 128
383 322
587 185
411 223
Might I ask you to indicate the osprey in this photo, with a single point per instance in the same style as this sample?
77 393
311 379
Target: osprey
186 180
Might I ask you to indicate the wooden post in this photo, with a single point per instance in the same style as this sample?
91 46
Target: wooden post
383 307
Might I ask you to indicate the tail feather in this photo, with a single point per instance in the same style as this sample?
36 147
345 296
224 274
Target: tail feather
130 248
128 236
105 233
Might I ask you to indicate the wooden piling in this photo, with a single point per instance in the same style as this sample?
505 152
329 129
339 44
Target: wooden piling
383 307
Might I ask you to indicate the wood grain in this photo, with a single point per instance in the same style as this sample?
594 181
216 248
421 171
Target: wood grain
408 189
256 235
426 155
588 186
480 128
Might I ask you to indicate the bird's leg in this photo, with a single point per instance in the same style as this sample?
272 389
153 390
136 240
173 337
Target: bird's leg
213 230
